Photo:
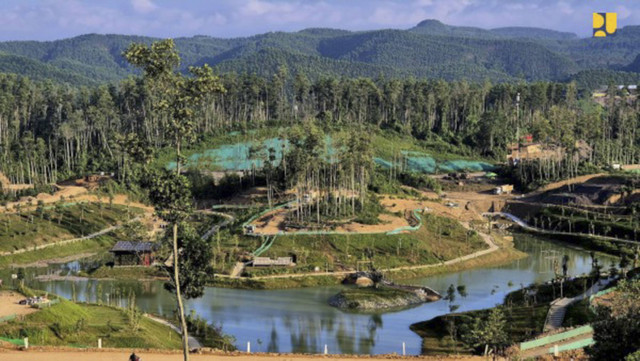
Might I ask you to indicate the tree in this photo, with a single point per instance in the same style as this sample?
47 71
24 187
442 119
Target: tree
195 266
565 265
462 290
616 331
489 331
177 95
451 297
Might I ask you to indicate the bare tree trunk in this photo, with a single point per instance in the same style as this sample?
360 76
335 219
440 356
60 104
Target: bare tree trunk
176 275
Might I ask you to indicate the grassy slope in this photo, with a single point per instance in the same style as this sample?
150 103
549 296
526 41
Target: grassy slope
93 245
81 325
30 229
501 256
439 239
128 273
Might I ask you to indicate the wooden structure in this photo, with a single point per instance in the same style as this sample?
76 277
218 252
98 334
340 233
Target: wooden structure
503 189
268 262
127 253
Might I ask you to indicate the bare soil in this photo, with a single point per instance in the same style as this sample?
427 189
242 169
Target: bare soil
469 207
9 305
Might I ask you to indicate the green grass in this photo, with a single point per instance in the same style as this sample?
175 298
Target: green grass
439 239
81 325
130 273
94 245
32 228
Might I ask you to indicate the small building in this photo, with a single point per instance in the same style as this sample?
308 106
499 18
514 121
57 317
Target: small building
268 262
503 189
128 253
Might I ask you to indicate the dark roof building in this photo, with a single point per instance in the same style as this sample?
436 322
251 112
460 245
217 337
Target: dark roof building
131 253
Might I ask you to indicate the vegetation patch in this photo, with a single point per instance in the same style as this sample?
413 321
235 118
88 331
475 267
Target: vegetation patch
375 298
25 229
97 244
438 240
127 273
68 323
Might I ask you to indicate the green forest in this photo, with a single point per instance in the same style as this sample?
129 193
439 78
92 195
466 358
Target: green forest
51 132
431 49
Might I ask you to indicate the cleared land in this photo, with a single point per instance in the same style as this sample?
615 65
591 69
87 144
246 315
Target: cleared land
9 304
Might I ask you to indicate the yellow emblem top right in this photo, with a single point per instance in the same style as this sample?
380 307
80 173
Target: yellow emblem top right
604 24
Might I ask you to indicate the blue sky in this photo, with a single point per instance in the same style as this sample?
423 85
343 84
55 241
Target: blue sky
55 19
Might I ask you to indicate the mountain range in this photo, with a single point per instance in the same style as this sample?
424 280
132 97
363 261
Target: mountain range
430 49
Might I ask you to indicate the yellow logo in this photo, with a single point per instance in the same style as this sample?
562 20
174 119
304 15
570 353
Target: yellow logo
604 24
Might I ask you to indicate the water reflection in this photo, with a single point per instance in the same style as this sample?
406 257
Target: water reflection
301 321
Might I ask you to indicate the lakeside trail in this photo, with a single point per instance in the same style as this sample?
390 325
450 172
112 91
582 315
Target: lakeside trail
120 355
193 342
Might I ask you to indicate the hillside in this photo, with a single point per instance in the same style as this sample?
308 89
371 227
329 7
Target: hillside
430 49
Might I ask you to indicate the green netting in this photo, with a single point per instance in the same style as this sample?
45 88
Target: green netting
425 163
253 155
14 341
555 338
239 156
573 345
409 228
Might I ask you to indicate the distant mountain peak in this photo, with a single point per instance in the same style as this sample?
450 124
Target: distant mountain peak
432 23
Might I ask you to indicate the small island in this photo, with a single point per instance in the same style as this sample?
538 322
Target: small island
369 296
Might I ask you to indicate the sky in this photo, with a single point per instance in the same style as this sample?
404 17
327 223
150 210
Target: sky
57 19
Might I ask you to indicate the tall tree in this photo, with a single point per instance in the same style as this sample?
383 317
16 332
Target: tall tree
176 96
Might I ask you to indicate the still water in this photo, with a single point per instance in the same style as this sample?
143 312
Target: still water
299 320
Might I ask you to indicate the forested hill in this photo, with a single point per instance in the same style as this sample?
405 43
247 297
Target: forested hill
430 49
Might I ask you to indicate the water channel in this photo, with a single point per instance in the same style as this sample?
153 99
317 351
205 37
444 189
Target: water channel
299 320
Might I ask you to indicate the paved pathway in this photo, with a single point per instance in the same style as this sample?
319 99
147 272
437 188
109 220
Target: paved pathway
558 308
237 270
194 344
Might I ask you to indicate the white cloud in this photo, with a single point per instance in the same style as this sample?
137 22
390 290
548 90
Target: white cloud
143 6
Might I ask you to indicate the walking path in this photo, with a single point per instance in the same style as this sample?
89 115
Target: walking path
47 245
528 227
558 308
237 270
229 219
194 344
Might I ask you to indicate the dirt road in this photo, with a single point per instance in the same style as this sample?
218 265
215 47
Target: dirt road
95 355
9 305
